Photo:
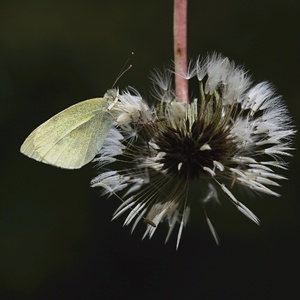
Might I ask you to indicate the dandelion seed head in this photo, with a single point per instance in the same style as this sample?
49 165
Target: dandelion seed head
232 132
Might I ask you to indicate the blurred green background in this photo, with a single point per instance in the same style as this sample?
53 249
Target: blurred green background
56 238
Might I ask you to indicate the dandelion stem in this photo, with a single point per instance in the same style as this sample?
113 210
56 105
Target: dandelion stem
180 49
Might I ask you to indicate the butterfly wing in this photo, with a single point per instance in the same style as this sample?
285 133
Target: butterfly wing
73 137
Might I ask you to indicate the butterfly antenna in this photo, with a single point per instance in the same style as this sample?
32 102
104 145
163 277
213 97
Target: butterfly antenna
124 69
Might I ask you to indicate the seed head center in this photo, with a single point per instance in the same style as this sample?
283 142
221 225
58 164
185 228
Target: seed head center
188 150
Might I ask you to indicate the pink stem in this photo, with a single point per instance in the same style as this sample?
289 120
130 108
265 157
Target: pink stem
180 49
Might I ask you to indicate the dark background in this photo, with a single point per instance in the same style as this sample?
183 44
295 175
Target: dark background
56 238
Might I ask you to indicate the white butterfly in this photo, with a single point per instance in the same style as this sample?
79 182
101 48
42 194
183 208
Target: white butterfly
73 137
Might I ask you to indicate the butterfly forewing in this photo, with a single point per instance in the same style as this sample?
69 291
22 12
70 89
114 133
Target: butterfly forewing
73 137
